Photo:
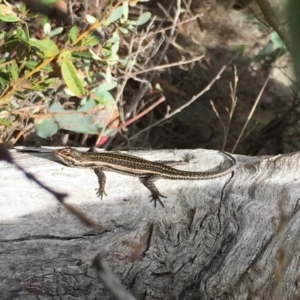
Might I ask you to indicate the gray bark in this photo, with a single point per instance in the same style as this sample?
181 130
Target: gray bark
234 237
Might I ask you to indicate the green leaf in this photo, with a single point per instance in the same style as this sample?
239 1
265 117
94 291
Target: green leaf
8 14
125 10
276 40
94 55
84 120
48 2
44 20
240 49
46 46
5 122
113 59
108 76
106 86
144 18
4 78
82 54
115 48
73 82
103 97
115 15
90 40
47 28
22 35
33 64
69 74
46 128
22 7
78 121
114 39
126 62
73 34
124 30
56 31
90 19
14 71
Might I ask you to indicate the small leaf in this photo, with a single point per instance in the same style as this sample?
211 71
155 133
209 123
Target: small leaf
69 74
106 86
46 128
103 97
240 49
276 40
56 31
90 19
22 7
46 46
90 40
8 13
115 15
48 2
144 18
65 55
22 36
85 54
47 28
115 48
123 30
4 78
73 33
114 39
32 65
5 122
77 121
14 71
94 55
113 59
125 10
89 104
126 62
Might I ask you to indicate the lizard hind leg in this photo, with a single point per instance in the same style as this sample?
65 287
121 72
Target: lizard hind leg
101 179
148 182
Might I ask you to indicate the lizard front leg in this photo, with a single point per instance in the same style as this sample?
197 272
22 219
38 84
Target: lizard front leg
148 182
101 179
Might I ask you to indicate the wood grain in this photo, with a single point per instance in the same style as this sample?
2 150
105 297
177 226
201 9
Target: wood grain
234 237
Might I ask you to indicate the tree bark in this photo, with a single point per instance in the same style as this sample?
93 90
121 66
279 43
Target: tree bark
233 237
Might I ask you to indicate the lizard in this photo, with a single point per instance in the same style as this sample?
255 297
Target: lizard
147 171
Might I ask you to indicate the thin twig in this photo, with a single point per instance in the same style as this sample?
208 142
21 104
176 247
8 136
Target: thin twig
193 99
111 281
175 64
195 17
144 88
251 112
100 139
103 140
233 106
151 107
217 114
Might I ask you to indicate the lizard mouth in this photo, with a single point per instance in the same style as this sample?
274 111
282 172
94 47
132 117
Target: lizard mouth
65 156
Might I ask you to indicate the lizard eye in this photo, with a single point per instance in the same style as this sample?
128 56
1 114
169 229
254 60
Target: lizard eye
68 150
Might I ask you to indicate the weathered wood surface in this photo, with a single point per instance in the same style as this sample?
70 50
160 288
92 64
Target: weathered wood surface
235 237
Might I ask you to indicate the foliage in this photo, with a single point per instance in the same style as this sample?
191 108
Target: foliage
35 69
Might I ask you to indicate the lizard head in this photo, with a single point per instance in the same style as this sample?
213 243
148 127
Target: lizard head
69 156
